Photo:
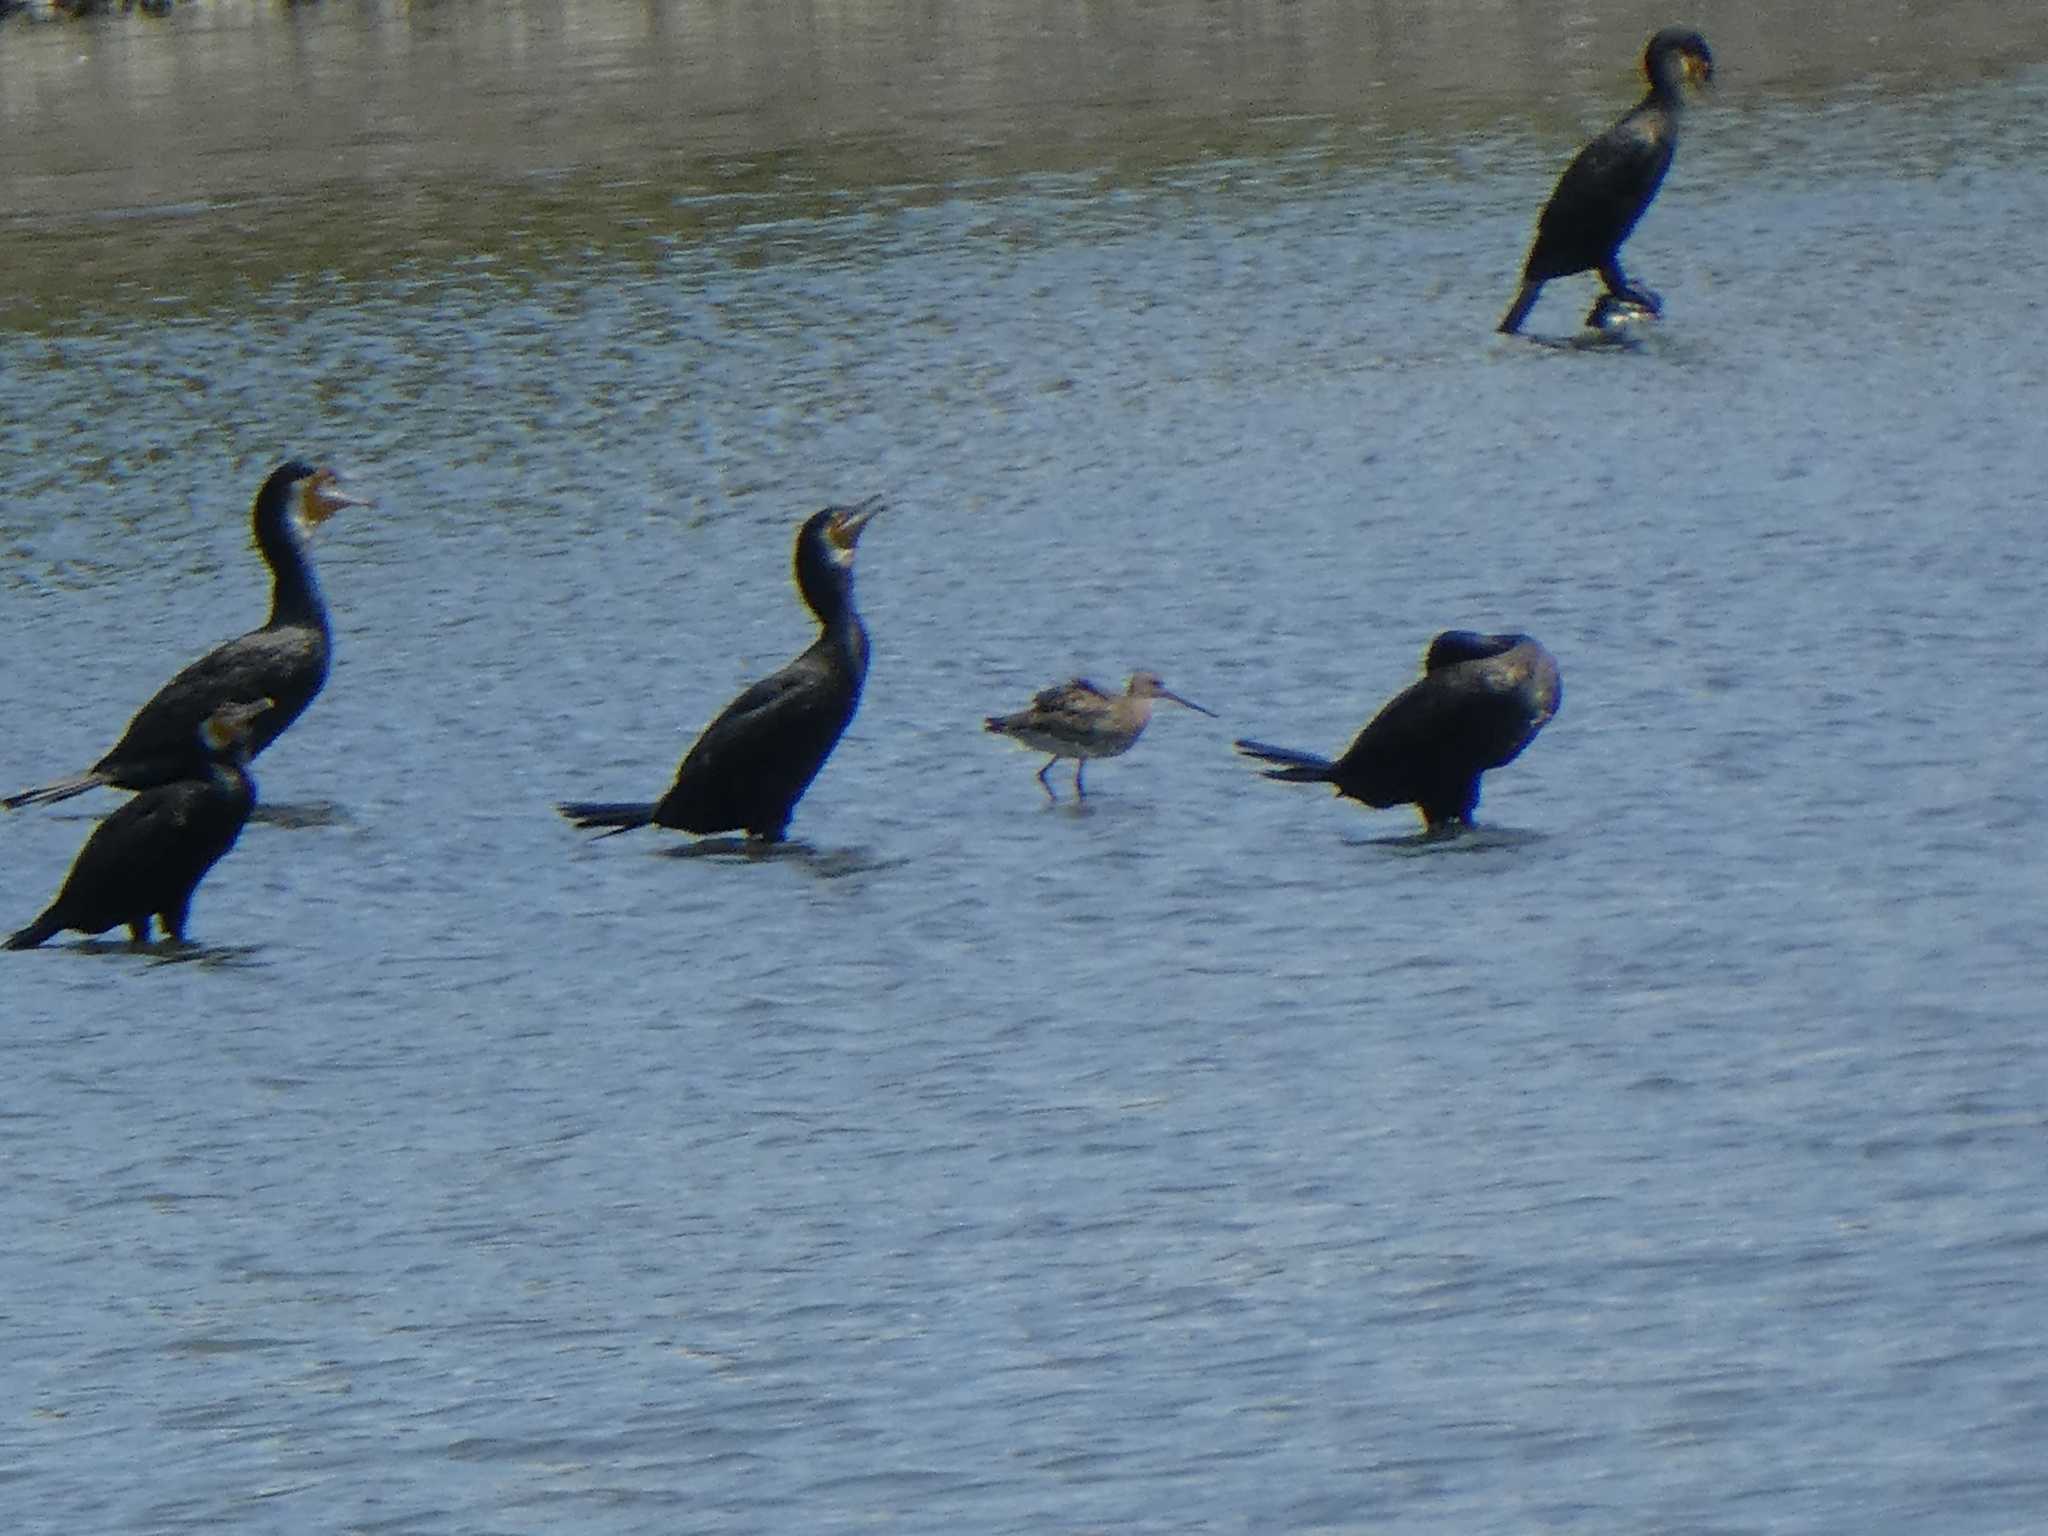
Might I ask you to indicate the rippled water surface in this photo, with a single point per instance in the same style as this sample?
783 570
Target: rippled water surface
1668 1157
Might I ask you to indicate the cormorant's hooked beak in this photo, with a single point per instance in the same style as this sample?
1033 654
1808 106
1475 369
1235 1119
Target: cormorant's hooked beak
230 723
1168 693
843 531
322 496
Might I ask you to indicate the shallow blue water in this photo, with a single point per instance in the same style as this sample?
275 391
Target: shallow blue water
1666 1158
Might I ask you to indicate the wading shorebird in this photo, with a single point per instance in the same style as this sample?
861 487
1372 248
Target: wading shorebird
1480 701
1078 720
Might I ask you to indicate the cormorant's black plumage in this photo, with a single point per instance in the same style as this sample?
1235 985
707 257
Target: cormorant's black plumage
147 858
752 764
285 661
1480 701
1610 182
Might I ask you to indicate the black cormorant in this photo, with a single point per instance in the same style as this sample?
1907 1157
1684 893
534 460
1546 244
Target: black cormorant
284 661
754 762
1480 701
147 858
1609 183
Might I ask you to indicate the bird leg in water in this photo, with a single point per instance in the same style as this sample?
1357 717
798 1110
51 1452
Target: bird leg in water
1046 784
1618 283
1080 789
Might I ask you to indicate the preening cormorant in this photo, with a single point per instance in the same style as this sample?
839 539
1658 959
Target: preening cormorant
284 661
1480 701
146 859
754 762
1609 183
1079 720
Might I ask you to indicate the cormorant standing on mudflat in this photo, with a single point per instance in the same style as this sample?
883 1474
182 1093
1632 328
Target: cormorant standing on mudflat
1609 183
284 661
754 762
1480 701
147 858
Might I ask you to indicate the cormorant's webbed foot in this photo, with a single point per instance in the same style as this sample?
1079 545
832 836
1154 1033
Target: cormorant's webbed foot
1614 314
1619 284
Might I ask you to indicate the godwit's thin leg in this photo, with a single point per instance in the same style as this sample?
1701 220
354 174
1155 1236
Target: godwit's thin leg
1044 783
1080 789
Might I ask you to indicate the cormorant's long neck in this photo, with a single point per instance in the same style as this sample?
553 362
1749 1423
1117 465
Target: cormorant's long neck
827 588
294 593
1666 95
230 772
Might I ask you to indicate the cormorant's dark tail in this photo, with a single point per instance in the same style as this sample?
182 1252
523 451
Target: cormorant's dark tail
614 816
43 928
50 794
1296 767
1511 322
